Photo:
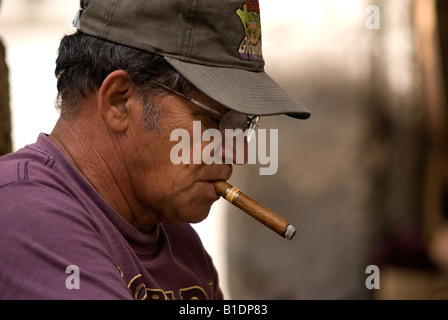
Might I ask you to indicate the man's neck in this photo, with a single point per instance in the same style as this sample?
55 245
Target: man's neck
89 149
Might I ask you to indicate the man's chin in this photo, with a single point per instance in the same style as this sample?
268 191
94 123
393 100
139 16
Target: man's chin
198 214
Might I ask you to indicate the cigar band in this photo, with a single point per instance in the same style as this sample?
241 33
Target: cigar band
232 194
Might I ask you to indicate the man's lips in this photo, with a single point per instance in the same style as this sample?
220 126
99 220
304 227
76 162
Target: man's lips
224 173
213 190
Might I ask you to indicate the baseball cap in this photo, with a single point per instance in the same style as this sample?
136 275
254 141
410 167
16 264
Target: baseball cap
215 45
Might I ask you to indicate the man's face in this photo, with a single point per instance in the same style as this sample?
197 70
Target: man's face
174 193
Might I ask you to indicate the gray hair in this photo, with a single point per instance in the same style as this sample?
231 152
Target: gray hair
84 62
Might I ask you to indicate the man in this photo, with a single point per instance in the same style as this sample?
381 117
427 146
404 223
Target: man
97 209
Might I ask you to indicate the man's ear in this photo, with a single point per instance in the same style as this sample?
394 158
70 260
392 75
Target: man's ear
113 100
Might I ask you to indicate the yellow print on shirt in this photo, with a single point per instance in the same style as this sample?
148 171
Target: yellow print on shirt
141 292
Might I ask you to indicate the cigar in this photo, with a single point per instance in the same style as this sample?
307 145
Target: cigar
255 209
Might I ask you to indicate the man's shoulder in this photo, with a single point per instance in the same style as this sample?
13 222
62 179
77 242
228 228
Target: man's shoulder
38 164
25 164
29 193
32 181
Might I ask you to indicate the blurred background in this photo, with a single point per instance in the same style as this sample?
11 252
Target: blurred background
364 180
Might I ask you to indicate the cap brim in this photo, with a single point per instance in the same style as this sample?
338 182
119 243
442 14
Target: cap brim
248 92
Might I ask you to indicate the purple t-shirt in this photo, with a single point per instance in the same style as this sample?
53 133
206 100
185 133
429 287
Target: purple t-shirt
59 239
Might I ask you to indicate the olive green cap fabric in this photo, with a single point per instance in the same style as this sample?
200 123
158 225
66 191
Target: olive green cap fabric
214 44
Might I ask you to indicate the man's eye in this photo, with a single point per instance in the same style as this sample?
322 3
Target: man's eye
207 119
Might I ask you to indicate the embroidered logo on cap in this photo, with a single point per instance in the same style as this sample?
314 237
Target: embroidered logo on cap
250 47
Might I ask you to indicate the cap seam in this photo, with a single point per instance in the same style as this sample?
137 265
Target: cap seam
212 64
108 16
189 34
